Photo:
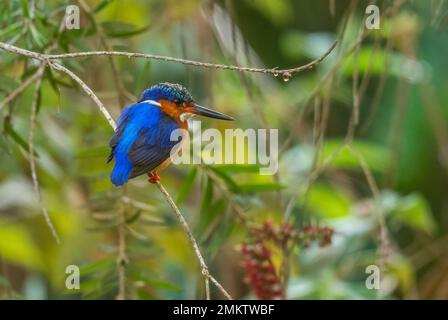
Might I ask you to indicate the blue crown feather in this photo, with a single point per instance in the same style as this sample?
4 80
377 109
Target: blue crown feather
166 91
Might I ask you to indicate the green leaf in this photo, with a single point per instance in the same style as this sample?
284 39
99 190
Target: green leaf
373 154
103 4
226 178
144 294
223 170
134 217
96 267
213 212
116 29
186 186
7 84
237 168
25 9
259 187
328 201
151 281
207 196
17 246
413 210
162 284
12 29
39 100
17 138
94 152
54 85
37 37
369 60
143 73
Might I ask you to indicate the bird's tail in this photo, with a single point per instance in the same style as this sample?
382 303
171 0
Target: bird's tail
122 170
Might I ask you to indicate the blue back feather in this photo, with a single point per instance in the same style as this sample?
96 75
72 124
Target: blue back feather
141 141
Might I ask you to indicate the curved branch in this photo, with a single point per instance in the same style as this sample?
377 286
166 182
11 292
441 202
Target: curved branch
273 71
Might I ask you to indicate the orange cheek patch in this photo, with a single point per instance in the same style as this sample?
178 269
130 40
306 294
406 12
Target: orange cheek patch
172 111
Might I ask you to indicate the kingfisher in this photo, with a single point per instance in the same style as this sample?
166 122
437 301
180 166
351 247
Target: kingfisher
141 143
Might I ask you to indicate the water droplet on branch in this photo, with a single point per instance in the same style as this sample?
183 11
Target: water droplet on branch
286 76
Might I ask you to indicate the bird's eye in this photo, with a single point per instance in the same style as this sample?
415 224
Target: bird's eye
184 105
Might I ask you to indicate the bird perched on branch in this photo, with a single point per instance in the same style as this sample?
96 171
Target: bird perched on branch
141 143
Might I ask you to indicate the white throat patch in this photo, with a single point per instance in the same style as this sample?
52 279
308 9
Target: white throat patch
185 116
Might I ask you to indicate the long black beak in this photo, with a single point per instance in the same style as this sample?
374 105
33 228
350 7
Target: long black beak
203 111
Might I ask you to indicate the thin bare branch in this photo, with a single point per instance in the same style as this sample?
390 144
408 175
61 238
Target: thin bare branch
207 288
122 260
384 247
119 85
273 71
197 251
33 117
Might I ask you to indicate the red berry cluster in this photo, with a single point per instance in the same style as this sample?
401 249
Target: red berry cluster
280 235
312 233
262 276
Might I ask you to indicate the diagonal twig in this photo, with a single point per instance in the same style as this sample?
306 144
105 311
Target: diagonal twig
33 117
20 89
204 269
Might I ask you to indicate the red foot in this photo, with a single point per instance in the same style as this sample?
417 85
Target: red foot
153 177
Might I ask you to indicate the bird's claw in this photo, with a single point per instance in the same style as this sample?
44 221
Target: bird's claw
153 177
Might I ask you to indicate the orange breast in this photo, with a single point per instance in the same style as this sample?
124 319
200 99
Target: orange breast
174 113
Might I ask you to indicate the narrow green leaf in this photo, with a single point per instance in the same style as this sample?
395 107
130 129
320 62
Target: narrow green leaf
134 217
238 168
261 187
95 267
7 84
9 130
186 186
94 152
103 4
226 178
39 100
54 85
25 9
207 196
37 37
116 29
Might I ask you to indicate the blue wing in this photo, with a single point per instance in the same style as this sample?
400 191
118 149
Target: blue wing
124 118
141 141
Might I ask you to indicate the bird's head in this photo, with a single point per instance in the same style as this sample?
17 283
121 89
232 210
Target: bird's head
175 101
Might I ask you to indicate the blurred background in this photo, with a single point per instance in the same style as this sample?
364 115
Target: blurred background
363 159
